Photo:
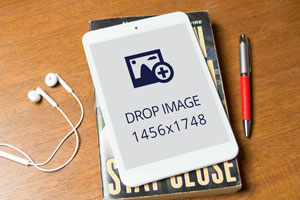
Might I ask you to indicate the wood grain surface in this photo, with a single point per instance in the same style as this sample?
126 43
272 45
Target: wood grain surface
38 37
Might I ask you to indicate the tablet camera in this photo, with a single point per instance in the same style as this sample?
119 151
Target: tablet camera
148 68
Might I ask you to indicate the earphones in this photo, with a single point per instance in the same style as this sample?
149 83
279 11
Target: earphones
35 96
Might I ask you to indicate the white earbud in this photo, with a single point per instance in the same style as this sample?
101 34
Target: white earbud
52 79
35 96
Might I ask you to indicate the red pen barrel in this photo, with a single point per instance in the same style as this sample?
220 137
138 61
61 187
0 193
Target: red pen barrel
245 97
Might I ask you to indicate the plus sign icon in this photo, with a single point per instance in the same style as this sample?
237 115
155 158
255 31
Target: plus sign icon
148 67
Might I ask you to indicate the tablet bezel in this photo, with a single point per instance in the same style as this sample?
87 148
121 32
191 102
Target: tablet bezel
171 166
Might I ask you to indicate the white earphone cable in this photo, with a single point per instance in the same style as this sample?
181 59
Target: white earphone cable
68 135
73 155
74 129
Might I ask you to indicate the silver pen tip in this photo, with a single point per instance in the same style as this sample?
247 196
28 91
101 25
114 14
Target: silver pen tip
243 38
247 126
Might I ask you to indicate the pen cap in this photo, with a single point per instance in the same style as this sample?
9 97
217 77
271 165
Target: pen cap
244 56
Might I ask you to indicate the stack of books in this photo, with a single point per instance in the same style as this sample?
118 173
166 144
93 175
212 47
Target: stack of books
217 179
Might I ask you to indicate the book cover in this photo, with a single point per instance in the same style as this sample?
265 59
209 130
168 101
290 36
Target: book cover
217 179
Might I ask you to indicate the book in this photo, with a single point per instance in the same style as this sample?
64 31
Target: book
217 179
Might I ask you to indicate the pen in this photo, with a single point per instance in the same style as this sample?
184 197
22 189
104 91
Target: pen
245 83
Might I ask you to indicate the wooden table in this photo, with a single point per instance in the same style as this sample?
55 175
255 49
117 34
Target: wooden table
45 36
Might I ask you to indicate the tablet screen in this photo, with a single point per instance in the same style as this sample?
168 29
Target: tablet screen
157 96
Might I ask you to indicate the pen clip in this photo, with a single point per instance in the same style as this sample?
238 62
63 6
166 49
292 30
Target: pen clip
249 56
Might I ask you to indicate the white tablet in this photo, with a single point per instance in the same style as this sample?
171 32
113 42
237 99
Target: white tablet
159 102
